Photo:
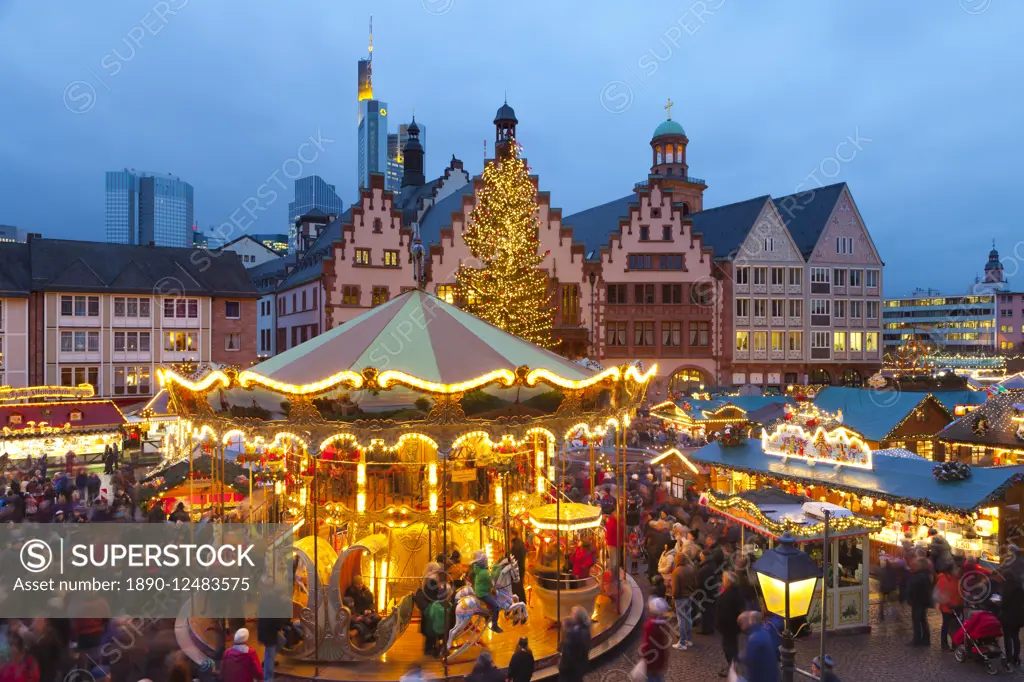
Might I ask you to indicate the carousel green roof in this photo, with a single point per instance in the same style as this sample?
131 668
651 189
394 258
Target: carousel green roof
420 335
903 480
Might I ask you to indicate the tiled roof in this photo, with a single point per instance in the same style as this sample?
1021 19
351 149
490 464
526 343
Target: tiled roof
999 412
310 266
724 228
408 200
594 225
873 414
15 275
266 276
74 266
95 415
439 216
806 214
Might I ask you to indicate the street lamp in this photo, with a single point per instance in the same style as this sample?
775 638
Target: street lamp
788 577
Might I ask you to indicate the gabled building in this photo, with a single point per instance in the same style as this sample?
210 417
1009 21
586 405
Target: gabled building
250 250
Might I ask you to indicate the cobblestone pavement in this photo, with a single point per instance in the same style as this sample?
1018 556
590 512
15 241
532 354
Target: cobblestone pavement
881 656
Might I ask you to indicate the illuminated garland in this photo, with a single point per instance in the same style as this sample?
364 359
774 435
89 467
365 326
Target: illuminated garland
510 290
841 525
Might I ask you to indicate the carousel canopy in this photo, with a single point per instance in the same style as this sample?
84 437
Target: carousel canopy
566 516
420 335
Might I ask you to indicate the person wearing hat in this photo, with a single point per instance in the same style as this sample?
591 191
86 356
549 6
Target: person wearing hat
520 666
240 663
825 674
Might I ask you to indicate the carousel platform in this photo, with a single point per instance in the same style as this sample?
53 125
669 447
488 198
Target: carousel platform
609 630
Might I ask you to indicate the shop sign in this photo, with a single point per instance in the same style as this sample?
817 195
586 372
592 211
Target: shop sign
835 447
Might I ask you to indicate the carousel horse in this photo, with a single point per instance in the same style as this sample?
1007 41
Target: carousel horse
472 615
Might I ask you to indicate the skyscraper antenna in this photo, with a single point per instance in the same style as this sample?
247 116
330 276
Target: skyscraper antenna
371 37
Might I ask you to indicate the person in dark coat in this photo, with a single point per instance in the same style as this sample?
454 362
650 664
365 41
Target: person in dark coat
761 657
730 606
520 666
709 572
518 551
484 670
919 595
575 646
1011 616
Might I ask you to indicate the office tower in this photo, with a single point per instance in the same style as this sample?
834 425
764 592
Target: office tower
311 193
373 123
146 207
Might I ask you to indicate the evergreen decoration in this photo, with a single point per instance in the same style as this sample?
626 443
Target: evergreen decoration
732 435
508 289
949 472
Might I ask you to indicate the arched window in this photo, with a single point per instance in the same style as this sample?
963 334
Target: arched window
688 381
686 208
657 156
679 153
669 153
852 379
821 376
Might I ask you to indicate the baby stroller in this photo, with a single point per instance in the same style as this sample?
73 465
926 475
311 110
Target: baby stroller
978 639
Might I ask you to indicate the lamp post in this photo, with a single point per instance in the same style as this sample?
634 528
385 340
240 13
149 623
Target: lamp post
788 577
592 278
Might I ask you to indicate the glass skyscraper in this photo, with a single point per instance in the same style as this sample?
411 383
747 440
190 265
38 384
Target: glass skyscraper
148 207
373 139
311 192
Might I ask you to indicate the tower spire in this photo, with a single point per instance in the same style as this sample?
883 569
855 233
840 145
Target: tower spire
371 37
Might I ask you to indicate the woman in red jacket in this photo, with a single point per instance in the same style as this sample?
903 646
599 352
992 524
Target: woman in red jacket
657 640
582 561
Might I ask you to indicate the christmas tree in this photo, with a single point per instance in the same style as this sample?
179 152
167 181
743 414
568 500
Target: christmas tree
507 289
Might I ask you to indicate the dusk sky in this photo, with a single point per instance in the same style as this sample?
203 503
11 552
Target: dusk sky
223 93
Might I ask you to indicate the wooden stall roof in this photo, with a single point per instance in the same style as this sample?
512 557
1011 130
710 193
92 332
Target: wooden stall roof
91 415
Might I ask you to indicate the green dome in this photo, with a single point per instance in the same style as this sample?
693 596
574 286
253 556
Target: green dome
669 127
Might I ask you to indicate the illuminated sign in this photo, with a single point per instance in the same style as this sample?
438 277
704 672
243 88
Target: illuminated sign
40 429
832 447
36 392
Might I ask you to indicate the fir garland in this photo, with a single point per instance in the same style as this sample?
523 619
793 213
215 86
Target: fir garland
950 472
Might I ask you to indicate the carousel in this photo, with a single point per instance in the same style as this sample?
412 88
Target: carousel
415 441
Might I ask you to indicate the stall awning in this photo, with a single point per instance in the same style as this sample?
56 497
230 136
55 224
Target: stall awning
895 479
33 420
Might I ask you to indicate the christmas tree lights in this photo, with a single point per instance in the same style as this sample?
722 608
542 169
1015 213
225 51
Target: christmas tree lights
508 289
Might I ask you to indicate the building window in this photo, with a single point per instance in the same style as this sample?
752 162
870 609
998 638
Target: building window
778 307
839 277
639 262
769 244
80 306
796 341
645 233
446 292
655 212
856 307
742 307
700 334
856 278
871 341
820 275
390 258
180 342
701 293
872 279
743 275
304 300
742 341
666 233
796 276
570 304
672 293
233 341
844 246
821 306
671 261
856 341
131 341
75 376
131 306
778 341
362 256
643 333
131 380
233 309
821 340
839 310
181 308
872 307
760 307
839 341
617 293
760 276
350 295
615 334
643 293
760 341
796 308
778 276
380 295
672 334
378 226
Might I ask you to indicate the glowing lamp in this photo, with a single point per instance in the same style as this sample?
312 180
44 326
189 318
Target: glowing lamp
361 474
433 503
278 487
361 503
431 473
302 497
499 497
788 577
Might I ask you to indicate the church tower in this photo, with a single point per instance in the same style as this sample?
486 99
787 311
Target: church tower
504 128
994 268
668 164
413 158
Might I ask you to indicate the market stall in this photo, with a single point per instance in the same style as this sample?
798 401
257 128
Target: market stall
991 435
976 510
85 427
770 512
